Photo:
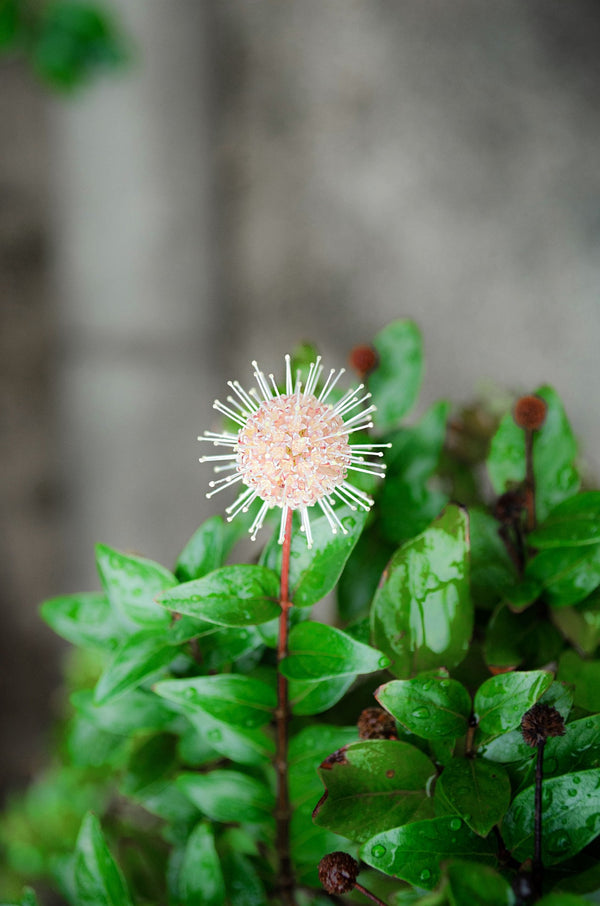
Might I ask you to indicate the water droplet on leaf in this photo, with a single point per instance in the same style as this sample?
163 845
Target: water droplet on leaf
378 851
455 824
425 875
421 713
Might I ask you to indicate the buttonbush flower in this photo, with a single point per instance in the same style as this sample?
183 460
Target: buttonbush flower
292 449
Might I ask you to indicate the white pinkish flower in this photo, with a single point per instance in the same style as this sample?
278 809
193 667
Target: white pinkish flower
292 449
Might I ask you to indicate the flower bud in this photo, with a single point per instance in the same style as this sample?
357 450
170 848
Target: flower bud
363 359
375 723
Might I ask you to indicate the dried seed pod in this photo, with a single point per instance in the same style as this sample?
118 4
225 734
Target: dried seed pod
375 723
363 360
540 722
338 872
530 412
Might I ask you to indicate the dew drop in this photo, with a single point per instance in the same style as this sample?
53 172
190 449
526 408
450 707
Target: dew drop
546 797
455 824
190 693
426 685
214 735
195 598
571 792
421 713
383 661
425 875
577 780
558 842
589 724
378 851
444 684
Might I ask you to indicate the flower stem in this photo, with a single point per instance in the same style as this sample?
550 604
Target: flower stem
285 877
529 481
538 868
371 896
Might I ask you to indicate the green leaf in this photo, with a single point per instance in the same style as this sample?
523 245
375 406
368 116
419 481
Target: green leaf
414 852
204 552
149 780
574 523
319 652
567 574
131 713
140 657
98 880
501 701
358 581
570 815
584 676
430 705
315 572
308 697
478 792
422 615
228 796
132 585
242 883
72 41
371 786
492 570
231 596
407 504
580 624
85 619
470 884
513 639
240 700
554 449
396 380
200 876
307 749
562 899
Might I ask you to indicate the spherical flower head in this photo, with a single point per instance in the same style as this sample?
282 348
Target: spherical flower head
540 722
293 449
530 412
338 872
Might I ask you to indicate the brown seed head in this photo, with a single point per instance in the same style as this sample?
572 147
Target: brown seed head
509 507
363 359
530 412
375 723
540 722
337 872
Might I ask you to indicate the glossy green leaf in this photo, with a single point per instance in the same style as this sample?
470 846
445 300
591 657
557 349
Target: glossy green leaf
85 619
422 615
501 701
98 879
371 786
574 523
231 596
407 503
475 790
470 884
242 884
307 749
584 676
140 657
314 697
415 852
554 449
228 796
318 652
205 551
200 876
492 570
133 584
92 746
396 380
314 571
567 575
570 815
431 705
240 700
132 712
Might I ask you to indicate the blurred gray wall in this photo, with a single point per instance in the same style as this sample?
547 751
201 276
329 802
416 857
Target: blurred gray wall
265 173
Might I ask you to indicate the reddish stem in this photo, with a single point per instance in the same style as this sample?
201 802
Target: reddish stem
529 481
282 714
371 896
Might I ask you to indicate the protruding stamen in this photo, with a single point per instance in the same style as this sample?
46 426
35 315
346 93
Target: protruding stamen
225 410
330 384
261 381
223 483
288 376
